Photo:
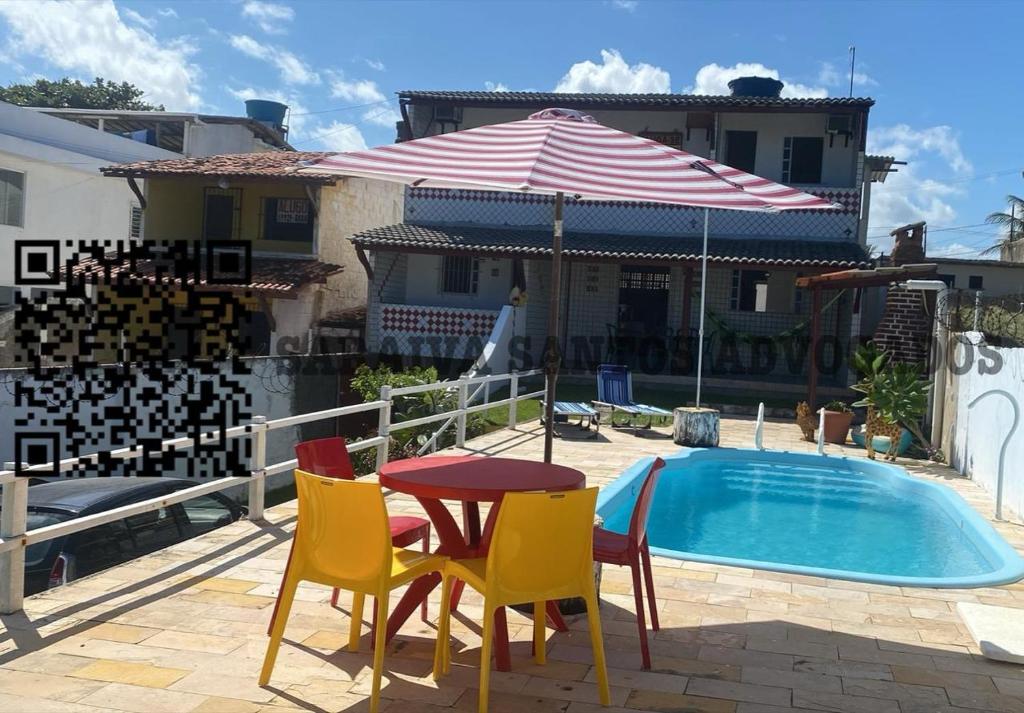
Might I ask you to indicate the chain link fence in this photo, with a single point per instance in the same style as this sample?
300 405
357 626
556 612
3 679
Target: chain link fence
1000 319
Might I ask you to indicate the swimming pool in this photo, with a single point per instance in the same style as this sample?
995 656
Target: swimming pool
829 516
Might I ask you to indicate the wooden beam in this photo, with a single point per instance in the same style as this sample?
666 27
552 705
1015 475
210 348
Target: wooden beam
812 369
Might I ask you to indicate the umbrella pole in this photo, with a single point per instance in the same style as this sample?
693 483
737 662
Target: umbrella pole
551 352
703 296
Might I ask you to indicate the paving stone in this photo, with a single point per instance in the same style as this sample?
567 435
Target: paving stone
31 685
896 691
125 633
213 683
792 679
677 703
136 674
644 680
207 643
817 700
141 699
730 690
571 691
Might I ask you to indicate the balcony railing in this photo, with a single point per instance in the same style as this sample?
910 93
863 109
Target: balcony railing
14 538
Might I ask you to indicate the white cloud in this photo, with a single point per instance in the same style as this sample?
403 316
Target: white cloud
293 70
375 64
909 195
365 91
167 12
138 19
271 17
627 5
91 38
832 77
714 79
361 90
616 76
495 87
954 249
338 136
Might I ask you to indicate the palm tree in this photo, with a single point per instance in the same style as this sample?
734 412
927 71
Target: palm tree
1012 220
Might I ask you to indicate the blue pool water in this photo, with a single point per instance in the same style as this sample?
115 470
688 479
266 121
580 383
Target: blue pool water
830 516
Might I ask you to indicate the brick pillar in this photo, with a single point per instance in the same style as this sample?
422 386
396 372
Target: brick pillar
906 324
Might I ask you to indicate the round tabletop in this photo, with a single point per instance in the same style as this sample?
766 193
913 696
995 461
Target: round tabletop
475 478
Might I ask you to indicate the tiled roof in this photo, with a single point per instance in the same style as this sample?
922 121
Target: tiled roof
629 100
537 243
265 164
280 276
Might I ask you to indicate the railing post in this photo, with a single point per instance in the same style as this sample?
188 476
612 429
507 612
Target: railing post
258 463
13 519
513 392
460 422
384 426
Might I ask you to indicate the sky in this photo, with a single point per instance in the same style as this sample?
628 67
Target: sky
947 91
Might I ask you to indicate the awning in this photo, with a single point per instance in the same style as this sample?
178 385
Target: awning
584 246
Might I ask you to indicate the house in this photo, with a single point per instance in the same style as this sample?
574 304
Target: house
51 188
444 275
994 278
302 276
190 134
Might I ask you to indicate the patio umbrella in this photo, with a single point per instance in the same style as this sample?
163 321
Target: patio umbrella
561 151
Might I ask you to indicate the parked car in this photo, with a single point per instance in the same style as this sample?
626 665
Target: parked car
63 559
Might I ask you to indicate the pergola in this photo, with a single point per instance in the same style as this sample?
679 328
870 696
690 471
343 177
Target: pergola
875 277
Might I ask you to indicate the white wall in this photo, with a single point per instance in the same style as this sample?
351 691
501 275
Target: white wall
972 438
997 280
214 139
838 164
67 203
424 284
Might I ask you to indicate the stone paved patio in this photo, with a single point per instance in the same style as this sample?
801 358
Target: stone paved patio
183 630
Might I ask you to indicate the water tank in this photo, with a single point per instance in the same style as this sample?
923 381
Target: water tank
267 112
755 87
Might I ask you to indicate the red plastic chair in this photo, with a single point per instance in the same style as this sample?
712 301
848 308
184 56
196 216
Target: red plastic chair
328 457
631 550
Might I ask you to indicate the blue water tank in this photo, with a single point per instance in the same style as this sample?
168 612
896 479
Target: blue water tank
266 112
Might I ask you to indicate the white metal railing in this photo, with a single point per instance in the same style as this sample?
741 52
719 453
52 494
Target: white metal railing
14 537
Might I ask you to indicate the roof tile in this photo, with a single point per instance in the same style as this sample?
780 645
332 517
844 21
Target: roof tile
537 243
268 164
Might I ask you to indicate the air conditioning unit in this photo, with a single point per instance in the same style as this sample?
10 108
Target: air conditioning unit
448 112
839 124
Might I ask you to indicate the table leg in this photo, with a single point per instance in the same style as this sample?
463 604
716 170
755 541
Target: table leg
471 523
556 617
452 543
502 655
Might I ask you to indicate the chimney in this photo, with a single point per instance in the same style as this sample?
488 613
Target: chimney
908 244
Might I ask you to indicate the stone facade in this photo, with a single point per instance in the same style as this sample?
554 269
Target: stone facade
906 324
352 205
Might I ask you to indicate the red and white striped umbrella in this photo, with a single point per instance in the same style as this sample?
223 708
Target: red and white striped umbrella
564 151
559 151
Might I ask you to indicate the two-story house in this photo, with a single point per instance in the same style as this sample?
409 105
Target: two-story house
302 273
631 279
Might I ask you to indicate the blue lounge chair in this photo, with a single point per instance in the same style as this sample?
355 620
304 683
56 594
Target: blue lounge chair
587 415
615 392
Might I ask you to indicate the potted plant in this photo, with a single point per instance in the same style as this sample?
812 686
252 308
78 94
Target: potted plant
838 417
895 392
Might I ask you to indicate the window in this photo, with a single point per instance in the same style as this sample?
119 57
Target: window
749 291
976 282
100 547
950 280
460 274
135 223
12 198
205 513
740 149
801 159
151 531
288 219
221 210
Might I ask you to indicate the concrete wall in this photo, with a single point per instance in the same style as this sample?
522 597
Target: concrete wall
839 161
350 206
175 210
997 279
973 437
63 202
424 283
215 139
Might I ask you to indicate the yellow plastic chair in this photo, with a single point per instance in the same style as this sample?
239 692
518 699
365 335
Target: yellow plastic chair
541 550
333 511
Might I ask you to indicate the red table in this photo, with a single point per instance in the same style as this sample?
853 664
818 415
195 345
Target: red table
471 480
